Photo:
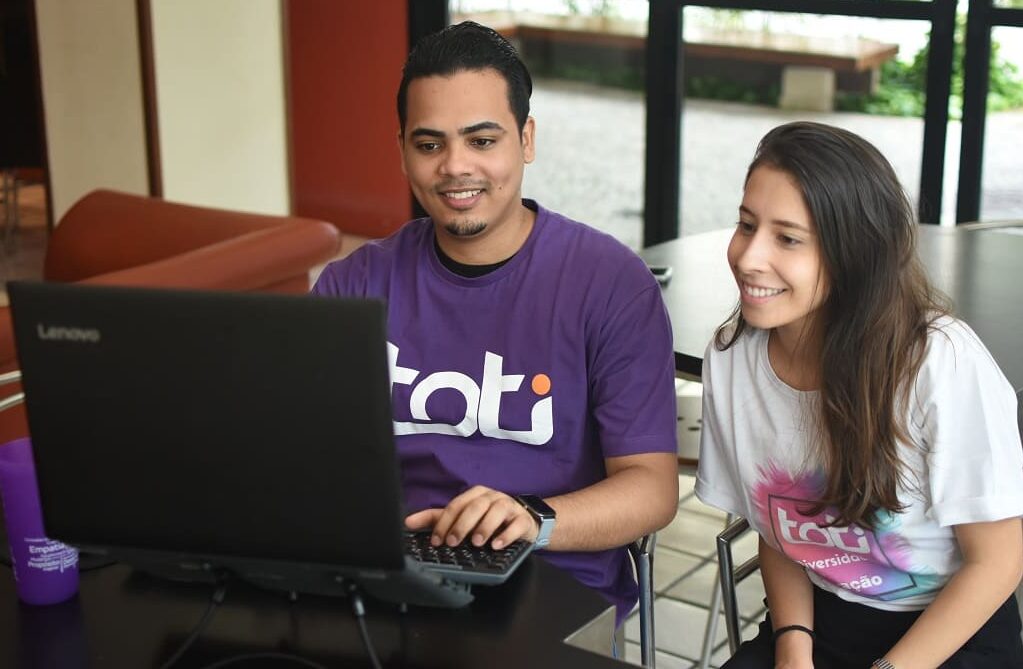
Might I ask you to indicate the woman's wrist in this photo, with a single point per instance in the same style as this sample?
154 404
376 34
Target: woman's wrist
793 647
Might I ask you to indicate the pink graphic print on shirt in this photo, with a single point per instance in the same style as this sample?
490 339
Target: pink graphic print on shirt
875 564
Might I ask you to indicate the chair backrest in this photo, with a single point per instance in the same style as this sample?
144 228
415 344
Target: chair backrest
108 230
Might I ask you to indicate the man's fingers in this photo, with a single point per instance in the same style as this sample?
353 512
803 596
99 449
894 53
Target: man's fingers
470 516
479 514
522 527
421 520
443 524
501 511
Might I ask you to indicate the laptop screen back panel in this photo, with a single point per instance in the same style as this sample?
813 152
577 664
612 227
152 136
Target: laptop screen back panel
241 425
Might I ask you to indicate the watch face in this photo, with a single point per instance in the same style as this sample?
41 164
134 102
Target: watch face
536 504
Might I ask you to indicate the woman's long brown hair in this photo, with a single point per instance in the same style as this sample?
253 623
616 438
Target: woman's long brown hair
874 321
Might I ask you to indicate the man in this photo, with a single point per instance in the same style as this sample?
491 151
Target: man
529 354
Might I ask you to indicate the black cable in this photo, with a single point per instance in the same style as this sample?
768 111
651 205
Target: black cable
215 601
359 609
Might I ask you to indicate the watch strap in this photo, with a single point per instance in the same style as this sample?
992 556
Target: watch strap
545 522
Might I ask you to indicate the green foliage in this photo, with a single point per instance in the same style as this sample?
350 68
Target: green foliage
901 91
1006 88
622 76
729 19
719 88
601 8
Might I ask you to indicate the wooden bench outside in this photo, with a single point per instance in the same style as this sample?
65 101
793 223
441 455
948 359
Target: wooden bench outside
851 54
811 69
807 69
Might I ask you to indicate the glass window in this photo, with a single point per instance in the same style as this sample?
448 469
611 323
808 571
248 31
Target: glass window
587 62
1002 175
749 71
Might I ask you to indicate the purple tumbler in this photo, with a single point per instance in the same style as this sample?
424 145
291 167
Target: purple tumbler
45 571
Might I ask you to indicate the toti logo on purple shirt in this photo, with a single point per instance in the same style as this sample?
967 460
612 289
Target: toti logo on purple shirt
482 401
871 563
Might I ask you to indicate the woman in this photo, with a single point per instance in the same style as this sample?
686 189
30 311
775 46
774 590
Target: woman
865 433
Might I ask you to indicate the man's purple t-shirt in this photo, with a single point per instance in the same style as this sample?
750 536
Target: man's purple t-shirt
526 378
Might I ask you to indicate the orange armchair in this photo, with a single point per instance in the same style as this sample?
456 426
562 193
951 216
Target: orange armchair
116 238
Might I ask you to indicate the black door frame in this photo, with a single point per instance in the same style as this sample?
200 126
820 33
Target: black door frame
424 17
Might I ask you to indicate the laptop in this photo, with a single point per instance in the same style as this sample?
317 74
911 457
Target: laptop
194 433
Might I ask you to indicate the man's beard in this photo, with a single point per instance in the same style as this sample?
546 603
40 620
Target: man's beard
465 228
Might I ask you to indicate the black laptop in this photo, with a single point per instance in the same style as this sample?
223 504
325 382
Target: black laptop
191 433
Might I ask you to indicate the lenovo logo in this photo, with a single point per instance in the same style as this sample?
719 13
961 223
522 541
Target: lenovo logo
62 333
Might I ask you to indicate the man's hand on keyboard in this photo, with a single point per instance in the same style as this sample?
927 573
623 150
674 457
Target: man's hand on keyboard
481 514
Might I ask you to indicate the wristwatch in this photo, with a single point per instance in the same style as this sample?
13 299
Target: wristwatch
544 516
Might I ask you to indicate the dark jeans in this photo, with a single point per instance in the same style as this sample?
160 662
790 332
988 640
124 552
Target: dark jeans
854 635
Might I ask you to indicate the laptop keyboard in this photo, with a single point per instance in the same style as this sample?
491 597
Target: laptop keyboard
466 563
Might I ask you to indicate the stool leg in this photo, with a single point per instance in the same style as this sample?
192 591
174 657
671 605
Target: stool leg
712 615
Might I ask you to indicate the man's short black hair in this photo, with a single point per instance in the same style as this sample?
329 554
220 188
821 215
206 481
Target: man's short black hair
467 46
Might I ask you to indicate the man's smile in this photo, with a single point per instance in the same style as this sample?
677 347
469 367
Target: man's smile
463 194
461 198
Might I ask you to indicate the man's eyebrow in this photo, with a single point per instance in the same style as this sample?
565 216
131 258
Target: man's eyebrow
427 132
778 221
483 125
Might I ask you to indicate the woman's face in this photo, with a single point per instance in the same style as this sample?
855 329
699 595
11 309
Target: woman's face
775 255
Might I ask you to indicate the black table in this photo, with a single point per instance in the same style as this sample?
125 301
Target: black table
123 618
981 270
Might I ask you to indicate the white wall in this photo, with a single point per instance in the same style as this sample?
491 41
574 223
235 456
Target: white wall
92 98
221 108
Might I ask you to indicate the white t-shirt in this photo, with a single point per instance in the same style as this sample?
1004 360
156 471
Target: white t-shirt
966 466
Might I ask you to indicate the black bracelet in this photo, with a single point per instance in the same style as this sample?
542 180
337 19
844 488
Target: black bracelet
790 628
